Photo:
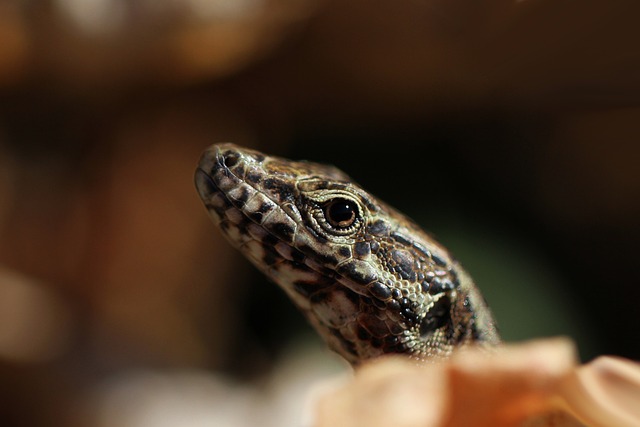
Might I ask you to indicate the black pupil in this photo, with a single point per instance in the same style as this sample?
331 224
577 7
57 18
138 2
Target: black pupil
341 213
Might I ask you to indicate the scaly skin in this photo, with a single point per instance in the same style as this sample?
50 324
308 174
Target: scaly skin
368 279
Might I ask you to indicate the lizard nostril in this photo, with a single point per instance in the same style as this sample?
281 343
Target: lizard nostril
230 159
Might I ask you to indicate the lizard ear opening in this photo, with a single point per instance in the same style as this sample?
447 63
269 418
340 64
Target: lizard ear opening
438 316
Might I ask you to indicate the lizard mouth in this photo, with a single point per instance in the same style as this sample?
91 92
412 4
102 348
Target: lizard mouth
250 194
255 211
259 206
227 180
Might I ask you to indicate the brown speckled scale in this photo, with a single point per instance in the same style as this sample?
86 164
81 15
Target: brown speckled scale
368 279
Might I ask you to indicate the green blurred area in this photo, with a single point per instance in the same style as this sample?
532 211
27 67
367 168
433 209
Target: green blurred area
526 290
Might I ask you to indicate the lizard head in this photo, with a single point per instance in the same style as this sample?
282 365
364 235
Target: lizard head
367 278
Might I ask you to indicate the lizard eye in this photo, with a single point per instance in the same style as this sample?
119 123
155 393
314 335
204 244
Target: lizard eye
338 216
341 213
334 214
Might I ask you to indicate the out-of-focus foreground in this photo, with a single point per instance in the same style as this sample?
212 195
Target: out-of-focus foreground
510 129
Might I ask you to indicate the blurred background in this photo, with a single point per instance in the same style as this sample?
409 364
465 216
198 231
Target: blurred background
509 129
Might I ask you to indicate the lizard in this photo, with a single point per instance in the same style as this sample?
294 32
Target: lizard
367 278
